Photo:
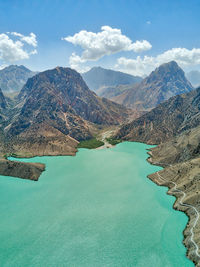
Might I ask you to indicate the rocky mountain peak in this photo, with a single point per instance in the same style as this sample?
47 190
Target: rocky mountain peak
16 67
60 98
171 65
164 82
169 73
60 80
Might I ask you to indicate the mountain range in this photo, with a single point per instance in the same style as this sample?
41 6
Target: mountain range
58 105
13 78
98 78
55 109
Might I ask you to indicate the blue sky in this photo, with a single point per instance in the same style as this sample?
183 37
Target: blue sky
163 24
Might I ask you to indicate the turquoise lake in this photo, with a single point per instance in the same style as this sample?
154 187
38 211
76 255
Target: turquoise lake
95 209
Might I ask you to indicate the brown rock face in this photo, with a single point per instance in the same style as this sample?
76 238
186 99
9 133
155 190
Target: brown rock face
180 148
61 99
41 140
55 110
73 95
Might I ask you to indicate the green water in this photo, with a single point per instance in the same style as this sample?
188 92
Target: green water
94 209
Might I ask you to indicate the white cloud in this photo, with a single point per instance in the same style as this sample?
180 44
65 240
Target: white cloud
148 22
183 56
29 39
76 61
144 65
140 46
139 66
106 42
13 50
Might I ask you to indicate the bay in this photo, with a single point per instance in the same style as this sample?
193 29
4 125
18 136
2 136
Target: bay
97 208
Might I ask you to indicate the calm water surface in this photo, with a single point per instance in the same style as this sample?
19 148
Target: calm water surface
94 209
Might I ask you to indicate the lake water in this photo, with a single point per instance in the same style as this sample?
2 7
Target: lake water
95 209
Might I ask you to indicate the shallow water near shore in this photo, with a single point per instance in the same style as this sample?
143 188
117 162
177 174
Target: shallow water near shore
95 209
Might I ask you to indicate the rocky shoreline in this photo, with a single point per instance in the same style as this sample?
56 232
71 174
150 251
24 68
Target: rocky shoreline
27 170
31 171
184 175
182 182
59 145
66 146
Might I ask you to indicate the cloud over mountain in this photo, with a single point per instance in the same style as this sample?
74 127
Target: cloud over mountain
16 46
140 66
106 42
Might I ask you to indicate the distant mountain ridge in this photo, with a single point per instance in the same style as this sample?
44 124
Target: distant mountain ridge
13 78
111 92
166 81
99 77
